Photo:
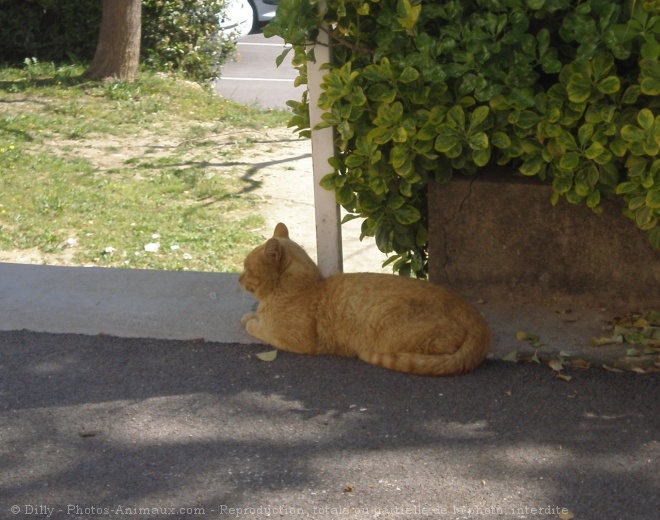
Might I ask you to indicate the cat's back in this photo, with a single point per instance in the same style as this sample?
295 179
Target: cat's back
373 315
379 292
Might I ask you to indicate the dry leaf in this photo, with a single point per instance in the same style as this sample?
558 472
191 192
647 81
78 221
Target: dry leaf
580 363
632 352
649 370
267 356
521 335
612 369
556 365
564 377
599 342
565 514
348 488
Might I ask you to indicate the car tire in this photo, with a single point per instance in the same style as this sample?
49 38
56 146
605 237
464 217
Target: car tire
255 17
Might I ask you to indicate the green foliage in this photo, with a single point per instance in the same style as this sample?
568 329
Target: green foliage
177 35
564 91
49 30
182 36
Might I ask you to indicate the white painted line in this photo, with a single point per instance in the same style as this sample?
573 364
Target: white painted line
281 45
289 80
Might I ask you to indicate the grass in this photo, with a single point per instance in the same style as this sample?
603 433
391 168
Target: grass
120 174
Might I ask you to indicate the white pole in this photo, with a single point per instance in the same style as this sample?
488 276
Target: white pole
328 224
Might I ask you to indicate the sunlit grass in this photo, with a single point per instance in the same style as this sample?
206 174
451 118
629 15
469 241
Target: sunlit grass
180 206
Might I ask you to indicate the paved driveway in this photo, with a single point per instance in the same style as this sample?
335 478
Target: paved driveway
98 427
254 79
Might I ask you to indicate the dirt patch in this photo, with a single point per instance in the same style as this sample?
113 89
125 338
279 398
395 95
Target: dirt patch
34 256
274 165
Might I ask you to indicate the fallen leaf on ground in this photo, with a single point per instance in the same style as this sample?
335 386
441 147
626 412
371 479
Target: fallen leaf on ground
638 329
511 356
565 514
533 338
267 356
633 338
563 377
521 335
580 363
556 365
612 369
599 342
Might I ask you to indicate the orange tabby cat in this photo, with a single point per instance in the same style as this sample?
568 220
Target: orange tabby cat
390 321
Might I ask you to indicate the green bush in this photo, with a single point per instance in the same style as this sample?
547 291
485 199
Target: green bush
182 36
49 30
562 90
177 35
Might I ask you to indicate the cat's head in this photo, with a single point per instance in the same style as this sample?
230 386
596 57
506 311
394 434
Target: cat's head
277 262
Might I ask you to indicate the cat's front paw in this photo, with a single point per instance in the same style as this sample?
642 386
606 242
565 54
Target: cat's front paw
248 317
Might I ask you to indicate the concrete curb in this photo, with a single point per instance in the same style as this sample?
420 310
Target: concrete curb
123 302
208 306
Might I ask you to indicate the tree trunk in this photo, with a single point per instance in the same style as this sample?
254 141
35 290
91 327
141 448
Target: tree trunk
118 51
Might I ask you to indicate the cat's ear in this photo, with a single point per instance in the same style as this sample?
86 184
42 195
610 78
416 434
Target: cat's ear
274 250
281 231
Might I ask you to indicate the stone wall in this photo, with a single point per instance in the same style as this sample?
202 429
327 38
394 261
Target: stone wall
498 236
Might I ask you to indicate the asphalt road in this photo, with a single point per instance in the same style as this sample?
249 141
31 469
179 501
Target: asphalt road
254 78
99 427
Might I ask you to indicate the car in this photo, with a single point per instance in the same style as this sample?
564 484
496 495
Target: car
237 19
263 11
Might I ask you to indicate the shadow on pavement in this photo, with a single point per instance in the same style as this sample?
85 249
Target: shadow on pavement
102 422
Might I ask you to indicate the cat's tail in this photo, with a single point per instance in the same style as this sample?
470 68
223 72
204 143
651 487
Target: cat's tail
465 359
